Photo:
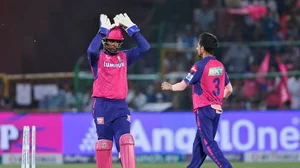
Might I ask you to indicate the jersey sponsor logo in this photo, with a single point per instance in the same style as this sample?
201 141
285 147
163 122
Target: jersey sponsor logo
194 69
215 71
189 77
110 65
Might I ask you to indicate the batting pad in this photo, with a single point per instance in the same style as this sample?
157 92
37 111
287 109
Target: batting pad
127 151
104 153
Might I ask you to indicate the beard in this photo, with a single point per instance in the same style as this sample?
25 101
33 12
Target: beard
113 49
200 54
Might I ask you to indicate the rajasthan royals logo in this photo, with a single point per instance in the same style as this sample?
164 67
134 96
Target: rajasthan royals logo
194 69
119 58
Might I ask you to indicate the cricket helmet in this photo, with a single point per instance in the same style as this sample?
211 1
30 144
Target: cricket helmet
115 34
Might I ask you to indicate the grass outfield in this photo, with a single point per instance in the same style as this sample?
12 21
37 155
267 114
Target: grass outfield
175 165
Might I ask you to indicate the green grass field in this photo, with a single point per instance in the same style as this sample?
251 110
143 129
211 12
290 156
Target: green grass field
174 165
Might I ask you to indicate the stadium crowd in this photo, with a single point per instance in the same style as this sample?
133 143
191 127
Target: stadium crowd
237 21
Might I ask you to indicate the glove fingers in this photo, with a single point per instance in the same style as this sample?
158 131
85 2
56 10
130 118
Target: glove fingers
120 21
107 19
117 22
125 15
119 17
115 18
103 18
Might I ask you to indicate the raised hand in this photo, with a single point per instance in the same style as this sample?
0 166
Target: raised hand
124 21
105 24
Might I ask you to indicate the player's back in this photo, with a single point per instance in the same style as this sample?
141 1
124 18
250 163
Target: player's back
211 85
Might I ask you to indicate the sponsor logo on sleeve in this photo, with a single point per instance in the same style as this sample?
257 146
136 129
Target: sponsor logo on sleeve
189 77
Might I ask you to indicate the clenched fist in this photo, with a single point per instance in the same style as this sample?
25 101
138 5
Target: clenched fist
166 86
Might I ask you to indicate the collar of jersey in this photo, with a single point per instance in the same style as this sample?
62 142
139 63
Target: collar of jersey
210 57
110 54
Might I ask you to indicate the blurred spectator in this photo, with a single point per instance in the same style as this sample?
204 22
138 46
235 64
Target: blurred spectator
139 99
271 93
240 22
233 3
204 15
251 91
238 57
270 26
294 88
186 41
69 96
130 94
5 102
63 99
237 97
157 95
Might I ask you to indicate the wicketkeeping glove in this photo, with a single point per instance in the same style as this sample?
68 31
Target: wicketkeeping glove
104 25
126 23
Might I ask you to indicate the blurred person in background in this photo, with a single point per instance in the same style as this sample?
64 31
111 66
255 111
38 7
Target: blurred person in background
238 57
252 91
271 93
157 96
204 16
130 94
110 88
237 98
187 40
210 86
293 84
271 26
69 96
5 102
139 99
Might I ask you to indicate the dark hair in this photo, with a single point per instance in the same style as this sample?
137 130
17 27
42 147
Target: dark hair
208 41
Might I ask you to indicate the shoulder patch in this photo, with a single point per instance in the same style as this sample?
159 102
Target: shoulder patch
189 77
194 69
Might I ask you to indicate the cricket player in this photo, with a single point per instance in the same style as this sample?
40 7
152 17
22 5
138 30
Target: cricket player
109 68
210 85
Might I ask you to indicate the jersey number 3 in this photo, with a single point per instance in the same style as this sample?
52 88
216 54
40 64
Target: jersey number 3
216 81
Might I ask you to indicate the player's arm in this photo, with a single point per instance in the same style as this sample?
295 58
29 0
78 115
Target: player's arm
133 31
180 86
93 50
228 87
192 77
134 54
